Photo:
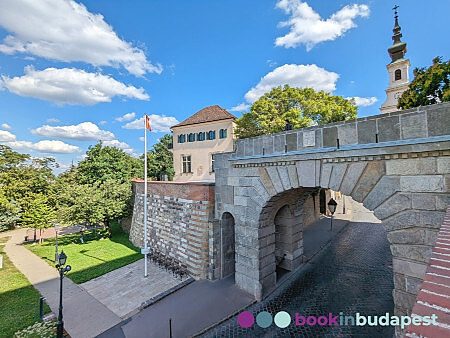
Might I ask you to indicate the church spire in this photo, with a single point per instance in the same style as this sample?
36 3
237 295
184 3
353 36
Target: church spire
398 49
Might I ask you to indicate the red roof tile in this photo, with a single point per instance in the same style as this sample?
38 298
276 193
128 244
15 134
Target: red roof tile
208 114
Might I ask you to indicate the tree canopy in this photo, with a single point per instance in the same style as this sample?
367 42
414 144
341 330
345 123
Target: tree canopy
430 86
302 107
160 159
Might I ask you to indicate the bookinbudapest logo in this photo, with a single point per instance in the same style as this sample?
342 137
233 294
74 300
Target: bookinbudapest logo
283 319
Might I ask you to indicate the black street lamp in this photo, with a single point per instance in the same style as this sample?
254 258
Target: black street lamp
332 207
60 266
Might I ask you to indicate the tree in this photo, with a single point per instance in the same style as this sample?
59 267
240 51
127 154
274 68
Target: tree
39 214
103 163
160 159
10 213
430 86
302 107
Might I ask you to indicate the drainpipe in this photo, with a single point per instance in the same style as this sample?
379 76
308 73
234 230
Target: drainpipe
221 249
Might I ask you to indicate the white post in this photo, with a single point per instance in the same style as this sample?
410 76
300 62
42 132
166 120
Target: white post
145 197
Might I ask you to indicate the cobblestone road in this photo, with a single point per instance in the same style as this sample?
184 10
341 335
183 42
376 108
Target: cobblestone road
352 274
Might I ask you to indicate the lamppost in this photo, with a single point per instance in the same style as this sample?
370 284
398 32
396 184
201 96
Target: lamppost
60 266
56 243
332 207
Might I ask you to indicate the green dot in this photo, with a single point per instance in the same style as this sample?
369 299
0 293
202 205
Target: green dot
282 319
264 319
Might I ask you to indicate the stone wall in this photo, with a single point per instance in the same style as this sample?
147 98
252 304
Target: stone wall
180 222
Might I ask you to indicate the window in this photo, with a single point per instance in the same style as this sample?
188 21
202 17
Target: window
181 138
211 135
398 74
187 164
212 163
191 137
201 136
223 133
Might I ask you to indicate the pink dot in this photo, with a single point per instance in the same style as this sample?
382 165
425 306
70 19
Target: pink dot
246 319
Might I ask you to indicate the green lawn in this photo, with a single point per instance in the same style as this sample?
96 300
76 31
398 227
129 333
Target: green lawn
92 258
3 240
19 300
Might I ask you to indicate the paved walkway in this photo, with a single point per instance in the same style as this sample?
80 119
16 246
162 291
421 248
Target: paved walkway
84 316
128 288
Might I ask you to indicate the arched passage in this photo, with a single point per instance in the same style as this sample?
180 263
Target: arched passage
227 244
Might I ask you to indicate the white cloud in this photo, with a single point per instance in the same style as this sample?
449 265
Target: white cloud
241 107
46 146
121 145
142 138
301 76
52 120
86 131
70 86
65 30
157 122
126 117
6 136
6 126
102 123
363 101
307 27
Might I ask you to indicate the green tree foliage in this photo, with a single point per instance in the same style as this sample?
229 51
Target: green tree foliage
301 107
430 86
103 163
160 159
21 180
39 214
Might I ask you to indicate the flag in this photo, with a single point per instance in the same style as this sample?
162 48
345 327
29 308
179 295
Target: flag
147 123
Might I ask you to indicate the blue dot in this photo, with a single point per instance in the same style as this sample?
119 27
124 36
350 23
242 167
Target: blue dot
264 319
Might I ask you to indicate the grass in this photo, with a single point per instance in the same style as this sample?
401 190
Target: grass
3 240
94 257
19 300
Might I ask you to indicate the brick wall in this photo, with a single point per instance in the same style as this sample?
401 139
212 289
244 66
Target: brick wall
179 221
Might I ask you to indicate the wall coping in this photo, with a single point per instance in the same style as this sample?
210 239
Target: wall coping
201 183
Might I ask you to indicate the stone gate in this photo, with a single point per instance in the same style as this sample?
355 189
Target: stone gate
396 164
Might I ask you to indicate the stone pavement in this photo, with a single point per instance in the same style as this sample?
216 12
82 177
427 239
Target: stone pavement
84 316
128 288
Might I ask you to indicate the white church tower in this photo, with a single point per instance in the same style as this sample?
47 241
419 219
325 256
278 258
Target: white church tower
397 69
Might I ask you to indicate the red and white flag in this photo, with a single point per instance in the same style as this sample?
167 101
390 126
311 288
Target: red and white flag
147 123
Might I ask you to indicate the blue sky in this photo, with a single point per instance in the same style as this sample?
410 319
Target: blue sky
73 72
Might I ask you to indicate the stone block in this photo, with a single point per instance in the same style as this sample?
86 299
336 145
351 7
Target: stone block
240 200
373 172
404 300
423 201
409 268
330 136
284 177
399 282
412 166
385 188
325 174
394 204
351 177
402 220
443 165
347 133
413 125
266 181
248 147
388 128
240 148
418 253
309 138
293 176
279 143
424 183
438 120
442 201
260 189
306 171
319 138
267 141
257 146
413 285
299 140
291 141
268 282
275 179
431 219
337 174
367 131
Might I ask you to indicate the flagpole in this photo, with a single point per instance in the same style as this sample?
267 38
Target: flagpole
145 197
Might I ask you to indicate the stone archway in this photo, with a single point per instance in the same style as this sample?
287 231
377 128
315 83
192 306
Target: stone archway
227 244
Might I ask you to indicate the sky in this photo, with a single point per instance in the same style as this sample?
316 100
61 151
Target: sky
73 73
